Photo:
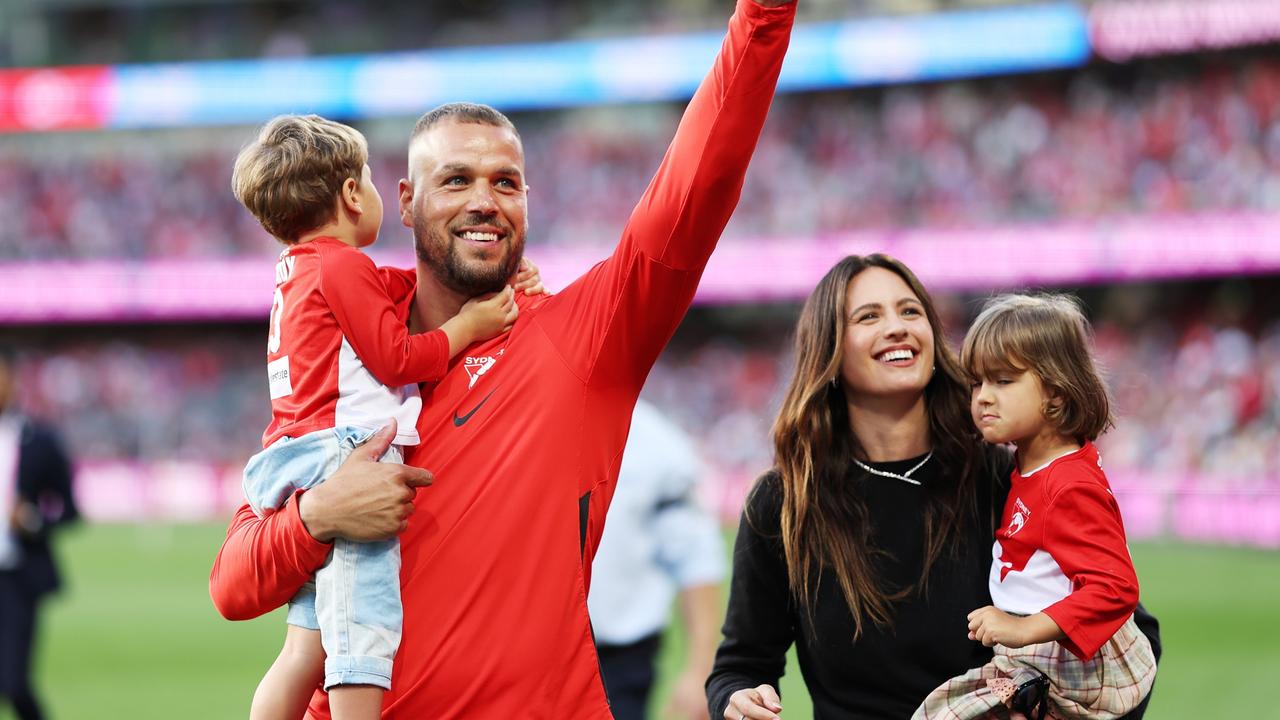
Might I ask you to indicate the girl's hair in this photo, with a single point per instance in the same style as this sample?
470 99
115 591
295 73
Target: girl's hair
825 523
1049 336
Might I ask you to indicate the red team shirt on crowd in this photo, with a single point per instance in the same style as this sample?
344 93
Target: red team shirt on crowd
338 351
1061 550
525 434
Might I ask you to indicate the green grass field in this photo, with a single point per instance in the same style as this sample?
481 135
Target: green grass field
136 637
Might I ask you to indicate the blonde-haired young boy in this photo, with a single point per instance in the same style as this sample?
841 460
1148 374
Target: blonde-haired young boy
340 366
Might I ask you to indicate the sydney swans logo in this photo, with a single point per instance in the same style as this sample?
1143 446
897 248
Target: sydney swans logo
1020 517
478 365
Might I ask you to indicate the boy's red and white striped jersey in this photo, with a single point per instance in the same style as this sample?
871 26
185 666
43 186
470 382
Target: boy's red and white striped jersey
338 352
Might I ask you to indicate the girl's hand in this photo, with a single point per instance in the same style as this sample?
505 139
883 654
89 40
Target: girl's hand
527 279
759 703
992 626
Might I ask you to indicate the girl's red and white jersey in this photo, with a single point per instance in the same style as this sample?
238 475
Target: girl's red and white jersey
338 353
1061 550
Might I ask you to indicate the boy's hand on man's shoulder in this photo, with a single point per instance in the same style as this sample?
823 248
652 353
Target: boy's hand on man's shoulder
528 279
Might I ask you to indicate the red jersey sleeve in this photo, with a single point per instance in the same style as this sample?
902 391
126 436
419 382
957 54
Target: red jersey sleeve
263 562
1086 538
626 308
357 296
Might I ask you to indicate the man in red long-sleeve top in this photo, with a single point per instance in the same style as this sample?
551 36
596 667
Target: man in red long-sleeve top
525 432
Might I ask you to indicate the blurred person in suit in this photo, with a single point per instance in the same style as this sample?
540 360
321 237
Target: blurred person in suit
35 498
657 544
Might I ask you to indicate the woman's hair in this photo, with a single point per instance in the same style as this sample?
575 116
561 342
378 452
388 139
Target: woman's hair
825 523
1049 336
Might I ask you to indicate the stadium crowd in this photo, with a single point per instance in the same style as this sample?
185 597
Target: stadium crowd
1197 135
1198 397
112 31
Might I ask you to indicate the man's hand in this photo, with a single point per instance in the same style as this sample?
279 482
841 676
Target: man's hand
364 500
991 626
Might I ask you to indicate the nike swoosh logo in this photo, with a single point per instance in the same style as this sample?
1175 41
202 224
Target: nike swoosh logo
460 421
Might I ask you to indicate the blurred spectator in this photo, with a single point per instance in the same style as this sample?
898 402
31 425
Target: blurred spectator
1190 135
35 498
658 544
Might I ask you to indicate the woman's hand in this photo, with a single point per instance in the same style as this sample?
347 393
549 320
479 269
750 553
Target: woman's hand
759 703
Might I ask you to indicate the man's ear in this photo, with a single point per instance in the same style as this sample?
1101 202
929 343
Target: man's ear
406 202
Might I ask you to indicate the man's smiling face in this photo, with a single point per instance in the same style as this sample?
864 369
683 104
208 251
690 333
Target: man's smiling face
467 203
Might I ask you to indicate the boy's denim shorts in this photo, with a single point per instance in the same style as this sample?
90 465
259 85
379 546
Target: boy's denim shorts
354 600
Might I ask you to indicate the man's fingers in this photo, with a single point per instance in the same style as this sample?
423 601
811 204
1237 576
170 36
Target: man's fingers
417 477
377 444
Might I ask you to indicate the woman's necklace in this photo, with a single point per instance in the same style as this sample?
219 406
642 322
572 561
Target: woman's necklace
904 477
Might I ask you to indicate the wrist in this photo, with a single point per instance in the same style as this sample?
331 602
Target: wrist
313 520
1038 628
460 333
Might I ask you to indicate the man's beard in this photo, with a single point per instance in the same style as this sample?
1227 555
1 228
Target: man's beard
477 277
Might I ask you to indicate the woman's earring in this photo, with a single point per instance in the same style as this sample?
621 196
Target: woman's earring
835 381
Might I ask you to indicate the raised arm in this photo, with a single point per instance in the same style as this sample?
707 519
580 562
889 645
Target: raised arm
626 307
681 215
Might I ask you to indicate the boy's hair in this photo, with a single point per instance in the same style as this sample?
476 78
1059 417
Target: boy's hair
1049 336
291 175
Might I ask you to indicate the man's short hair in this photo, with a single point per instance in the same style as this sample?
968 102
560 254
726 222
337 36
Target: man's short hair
463 112
291 175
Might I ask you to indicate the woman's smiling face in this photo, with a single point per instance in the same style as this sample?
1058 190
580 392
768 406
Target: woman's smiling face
888 342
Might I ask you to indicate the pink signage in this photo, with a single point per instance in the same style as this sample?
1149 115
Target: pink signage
1116 249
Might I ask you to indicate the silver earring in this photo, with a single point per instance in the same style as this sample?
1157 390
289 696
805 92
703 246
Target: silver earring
835 381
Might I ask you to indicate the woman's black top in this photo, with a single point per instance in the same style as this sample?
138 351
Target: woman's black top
887 671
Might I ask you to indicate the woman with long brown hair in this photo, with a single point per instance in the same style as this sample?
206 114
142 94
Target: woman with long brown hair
870 541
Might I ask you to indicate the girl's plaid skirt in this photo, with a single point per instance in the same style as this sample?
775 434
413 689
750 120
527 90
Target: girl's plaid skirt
1108 685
